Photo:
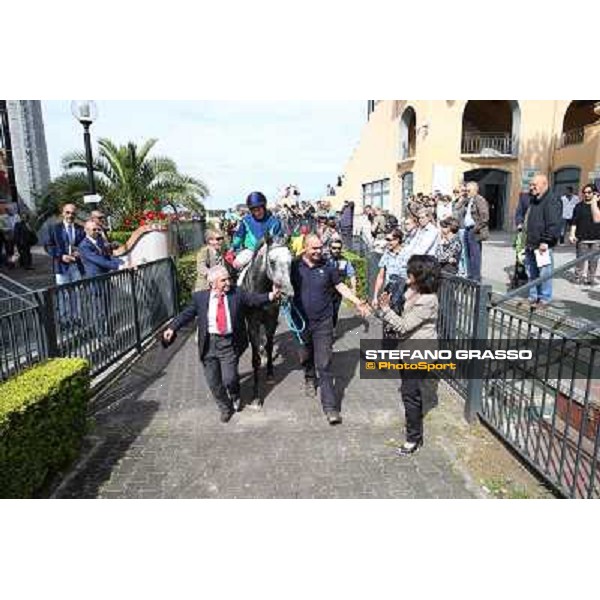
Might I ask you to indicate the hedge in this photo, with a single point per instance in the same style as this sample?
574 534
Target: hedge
42 423
186 277
120 236
360 266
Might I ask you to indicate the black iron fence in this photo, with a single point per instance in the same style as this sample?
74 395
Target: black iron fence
100 319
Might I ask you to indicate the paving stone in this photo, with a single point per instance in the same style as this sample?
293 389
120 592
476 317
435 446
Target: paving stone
163 438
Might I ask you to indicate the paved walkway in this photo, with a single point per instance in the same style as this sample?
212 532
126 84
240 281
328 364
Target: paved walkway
159 437
569 299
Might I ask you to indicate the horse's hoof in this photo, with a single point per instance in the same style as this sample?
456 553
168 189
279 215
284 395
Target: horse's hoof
256 404
270 378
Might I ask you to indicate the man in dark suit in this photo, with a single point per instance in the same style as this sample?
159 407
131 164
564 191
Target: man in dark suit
222 336
94 254
61 244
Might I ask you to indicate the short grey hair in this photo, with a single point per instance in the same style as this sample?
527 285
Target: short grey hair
215 272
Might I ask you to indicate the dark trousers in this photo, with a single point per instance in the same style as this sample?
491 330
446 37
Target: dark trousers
473 255
221 371
410 389
337 303
25 256
316 354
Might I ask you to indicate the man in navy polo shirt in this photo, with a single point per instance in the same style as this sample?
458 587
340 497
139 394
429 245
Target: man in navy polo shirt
315 284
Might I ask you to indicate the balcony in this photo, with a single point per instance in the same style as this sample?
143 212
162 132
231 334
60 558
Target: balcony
488 144
407 152
572 137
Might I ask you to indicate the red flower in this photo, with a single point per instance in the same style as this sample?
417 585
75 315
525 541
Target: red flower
150 215
162 216
142 222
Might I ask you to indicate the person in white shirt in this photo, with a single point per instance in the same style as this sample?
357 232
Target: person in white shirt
569 202
222 335
427 238
443 208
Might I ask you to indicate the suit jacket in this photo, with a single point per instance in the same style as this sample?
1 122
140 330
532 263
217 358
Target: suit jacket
95 259
480 212
236 300
56 245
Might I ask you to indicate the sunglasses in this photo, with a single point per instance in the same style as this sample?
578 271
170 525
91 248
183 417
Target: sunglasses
390 239
219 239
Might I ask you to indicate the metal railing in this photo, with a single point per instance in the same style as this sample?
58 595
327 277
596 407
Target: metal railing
462 319
488 144
100 319
548 411
572 137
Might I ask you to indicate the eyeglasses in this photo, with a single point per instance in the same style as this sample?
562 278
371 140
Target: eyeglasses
588 192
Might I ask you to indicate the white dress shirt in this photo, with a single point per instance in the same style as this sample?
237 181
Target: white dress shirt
569 205
425 241
212 315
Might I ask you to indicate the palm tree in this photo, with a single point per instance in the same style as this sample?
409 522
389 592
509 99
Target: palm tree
129 179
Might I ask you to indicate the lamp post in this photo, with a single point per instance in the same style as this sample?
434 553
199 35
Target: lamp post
85 112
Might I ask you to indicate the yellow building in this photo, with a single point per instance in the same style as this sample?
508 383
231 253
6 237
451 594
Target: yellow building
410 146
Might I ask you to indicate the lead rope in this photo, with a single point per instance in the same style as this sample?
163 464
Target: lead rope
287 307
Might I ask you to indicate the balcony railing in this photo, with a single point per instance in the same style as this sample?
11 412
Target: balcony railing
489 144
572 137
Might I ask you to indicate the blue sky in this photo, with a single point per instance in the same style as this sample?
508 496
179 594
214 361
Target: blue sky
234 146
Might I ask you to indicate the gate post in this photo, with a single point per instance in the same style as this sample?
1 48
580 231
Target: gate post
480 332
48 321
136 312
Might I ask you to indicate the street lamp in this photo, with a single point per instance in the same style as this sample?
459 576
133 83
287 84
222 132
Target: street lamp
85 112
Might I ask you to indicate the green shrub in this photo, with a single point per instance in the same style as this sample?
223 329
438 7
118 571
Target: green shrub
360 266
186 277
120 236
42 423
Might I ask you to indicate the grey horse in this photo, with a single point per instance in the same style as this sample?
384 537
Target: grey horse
271 264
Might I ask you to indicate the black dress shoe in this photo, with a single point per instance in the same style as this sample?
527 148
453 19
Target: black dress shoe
226 416
334 417
409 448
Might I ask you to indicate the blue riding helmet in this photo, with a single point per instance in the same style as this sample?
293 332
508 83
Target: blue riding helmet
256 200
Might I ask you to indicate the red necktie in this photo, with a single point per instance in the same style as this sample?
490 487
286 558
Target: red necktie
221 316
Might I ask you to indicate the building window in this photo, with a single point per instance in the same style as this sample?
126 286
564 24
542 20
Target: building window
407 188
565 179
377 194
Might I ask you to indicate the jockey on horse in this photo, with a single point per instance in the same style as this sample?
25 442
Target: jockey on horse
253 228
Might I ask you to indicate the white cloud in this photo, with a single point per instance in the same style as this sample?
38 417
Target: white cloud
234 146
